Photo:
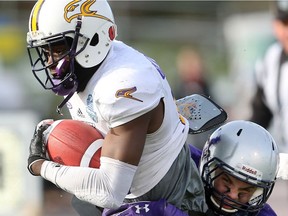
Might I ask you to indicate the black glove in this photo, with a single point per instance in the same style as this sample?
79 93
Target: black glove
37 149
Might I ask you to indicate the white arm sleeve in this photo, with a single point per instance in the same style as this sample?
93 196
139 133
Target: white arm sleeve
283 167
105 187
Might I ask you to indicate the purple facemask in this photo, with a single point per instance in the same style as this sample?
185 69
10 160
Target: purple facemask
67 85
64 88
62 68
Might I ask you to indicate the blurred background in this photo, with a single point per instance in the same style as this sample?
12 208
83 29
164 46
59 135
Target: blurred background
207 47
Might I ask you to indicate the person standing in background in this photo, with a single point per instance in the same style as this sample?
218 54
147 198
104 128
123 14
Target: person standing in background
269 104
192 80
191 73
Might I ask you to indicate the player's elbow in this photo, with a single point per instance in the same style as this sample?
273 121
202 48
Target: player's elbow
102 200
107 186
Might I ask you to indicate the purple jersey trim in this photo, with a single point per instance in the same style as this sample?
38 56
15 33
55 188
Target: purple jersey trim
147 208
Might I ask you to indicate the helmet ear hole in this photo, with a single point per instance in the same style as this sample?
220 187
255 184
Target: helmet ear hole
94 40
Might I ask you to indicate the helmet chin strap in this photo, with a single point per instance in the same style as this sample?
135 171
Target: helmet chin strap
67 98
72 59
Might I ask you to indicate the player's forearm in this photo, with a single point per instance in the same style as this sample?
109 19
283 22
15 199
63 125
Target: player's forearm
105 187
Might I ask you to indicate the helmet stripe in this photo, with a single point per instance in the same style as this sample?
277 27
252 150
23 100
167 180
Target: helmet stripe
35 15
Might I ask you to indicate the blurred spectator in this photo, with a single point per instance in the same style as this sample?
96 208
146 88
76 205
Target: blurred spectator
11 91
191 71
270 101
192 80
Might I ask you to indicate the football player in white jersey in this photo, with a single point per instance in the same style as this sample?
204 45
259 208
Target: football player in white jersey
124 94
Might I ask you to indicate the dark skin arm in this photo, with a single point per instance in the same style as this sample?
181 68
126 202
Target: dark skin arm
126 142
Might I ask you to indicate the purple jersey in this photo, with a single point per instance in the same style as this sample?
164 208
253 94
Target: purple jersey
147 208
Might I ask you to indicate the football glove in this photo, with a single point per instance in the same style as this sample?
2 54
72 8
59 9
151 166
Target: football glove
37 149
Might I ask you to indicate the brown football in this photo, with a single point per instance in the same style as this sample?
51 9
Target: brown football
74 143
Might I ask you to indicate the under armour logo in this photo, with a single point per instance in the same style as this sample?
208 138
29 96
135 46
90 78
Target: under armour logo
139 208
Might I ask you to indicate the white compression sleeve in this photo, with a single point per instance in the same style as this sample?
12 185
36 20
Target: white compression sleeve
283 167
104 187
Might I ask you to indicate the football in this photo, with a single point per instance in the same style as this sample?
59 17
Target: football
73 143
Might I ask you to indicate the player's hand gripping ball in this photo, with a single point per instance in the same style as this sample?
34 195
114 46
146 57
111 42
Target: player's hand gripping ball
74 143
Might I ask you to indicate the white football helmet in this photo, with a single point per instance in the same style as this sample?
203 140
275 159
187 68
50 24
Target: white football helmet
84 28
245 151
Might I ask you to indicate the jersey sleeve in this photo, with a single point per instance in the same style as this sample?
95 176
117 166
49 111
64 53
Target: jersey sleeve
126 94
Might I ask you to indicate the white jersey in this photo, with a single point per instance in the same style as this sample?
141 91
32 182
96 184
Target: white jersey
127 85
271 78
